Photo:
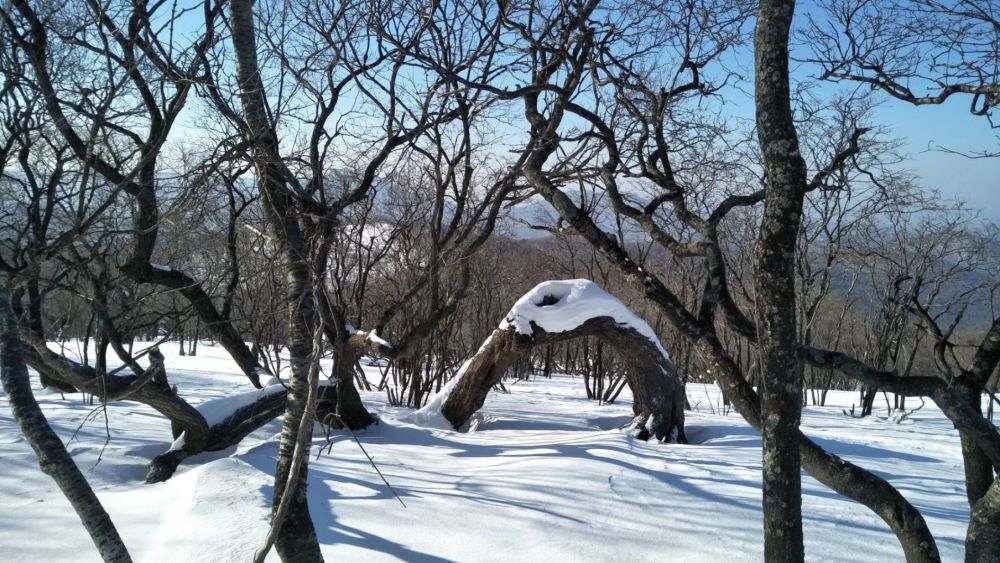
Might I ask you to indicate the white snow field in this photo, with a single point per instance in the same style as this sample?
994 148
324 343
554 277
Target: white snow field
546 476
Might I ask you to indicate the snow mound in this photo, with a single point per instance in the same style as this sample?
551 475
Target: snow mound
563 305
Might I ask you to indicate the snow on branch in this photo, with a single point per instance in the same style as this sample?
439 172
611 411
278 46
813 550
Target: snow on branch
564 305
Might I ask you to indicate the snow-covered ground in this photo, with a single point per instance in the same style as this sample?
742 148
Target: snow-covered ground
544 477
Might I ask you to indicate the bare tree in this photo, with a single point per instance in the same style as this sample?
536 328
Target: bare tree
922 52
133 135
376 138
571 41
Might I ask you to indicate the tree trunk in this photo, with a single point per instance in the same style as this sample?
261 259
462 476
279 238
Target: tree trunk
150 388
868 396
978 468
154 390
982 541
840 475
658 394
53 458
35 325
351 411
193 345
297 539
775 283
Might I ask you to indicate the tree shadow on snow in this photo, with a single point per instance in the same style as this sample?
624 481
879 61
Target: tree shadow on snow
328 529
639 473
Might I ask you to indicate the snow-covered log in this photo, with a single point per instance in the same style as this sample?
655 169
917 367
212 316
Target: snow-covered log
212 426
229 420
555 311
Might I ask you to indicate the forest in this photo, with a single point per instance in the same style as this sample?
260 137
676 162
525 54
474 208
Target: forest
232 225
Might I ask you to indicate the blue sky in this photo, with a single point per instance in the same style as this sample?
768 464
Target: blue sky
925 130
977 181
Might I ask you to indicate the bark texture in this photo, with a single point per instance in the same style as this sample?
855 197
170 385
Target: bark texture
53 458
978 468
982 541
775 283
296 540
658 394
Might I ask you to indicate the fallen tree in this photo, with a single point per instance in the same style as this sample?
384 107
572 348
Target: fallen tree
213 426
556 311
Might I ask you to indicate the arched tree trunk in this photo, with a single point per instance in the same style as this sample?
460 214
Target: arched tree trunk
556 311
658 395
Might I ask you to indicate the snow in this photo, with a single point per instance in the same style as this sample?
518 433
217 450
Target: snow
270 381
218 410
161 267
370 335
577 301
374 337
546 476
